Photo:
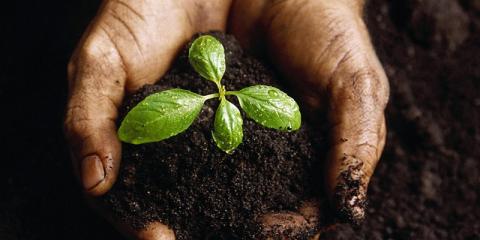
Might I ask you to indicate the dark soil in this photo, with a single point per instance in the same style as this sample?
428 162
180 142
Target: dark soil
427 183
425 187
192 186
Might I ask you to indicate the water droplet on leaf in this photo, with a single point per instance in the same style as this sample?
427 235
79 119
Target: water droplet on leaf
272 93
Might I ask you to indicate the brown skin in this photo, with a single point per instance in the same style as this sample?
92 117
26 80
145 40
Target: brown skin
323 45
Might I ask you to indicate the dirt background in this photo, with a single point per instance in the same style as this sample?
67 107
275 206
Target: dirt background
425 187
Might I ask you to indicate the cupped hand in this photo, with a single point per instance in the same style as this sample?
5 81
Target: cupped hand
128 44
323 46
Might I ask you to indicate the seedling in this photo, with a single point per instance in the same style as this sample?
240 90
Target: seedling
170 112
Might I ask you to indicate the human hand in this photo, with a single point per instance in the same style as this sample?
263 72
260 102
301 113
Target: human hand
128 44
324 46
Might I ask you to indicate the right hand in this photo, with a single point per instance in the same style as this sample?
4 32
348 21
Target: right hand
128 44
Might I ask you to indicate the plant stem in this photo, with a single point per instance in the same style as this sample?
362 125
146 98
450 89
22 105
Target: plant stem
221 90
210 96
230 93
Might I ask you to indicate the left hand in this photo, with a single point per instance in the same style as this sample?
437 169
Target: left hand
324 46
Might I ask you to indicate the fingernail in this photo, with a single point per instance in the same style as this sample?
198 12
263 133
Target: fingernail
92 172
350 195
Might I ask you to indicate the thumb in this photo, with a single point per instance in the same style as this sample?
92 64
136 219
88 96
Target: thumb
326 50
96 83
358 136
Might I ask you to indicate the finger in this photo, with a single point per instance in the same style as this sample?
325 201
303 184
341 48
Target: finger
383 136
324 48
352 160
96 89
115 54
357 96
291 225
151 231
245 23
156 231
284 225
148 34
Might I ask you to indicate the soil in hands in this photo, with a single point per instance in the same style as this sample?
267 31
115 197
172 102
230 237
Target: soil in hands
189 184
426 185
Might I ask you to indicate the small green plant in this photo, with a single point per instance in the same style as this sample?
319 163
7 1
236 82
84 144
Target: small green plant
170 112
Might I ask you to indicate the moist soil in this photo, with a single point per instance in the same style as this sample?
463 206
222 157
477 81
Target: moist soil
424 187
192 186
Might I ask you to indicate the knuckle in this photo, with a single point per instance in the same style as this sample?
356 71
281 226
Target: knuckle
92 49
367 151
88 112
88 58
98 52
76 122
98 61
362 85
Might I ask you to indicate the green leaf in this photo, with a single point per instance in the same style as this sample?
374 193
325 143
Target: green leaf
207 57
160 116
228 131
270 107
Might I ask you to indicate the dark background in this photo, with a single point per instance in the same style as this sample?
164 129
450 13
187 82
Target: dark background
39 198
426 186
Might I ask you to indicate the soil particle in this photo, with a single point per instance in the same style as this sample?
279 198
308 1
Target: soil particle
189 184
350 196
436 22
429 184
